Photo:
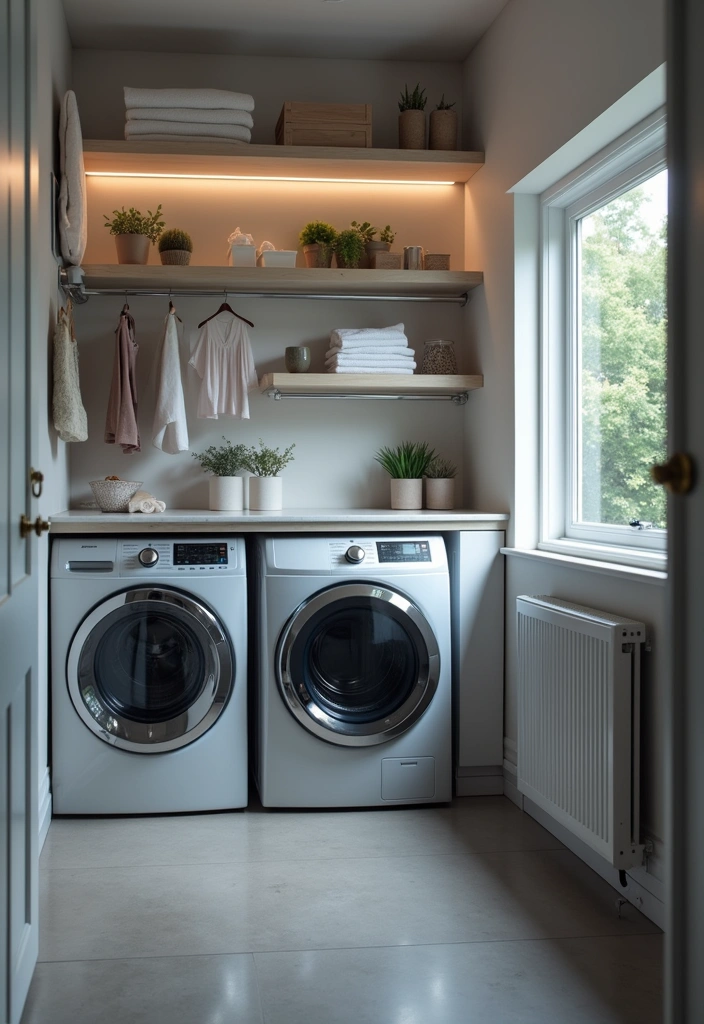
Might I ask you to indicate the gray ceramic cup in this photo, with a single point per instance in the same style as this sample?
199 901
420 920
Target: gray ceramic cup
297 358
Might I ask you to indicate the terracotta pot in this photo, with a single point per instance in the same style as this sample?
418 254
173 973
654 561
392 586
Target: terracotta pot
175 257
371 249
265 493
132 248
443 130
406 493
226 494
411 129
318 255
440 493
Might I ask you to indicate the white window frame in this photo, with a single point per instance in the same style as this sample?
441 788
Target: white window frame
631 159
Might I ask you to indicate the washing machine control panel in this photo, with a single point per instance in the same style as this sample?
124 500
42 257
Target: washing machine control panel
178 557
200 554
351 553
148 557
404 551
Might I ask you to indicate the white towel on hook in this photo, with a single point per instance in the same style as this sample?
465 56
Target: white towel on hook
136 129
190 116
199 99
73 210
170 430
145 502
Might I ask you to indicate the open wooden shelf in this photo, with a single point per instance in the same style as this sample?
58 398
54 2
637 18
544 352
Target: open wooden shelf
393 385
443 285
112 156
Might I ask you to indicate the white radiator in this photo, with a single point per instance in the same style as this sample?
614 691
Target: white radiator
579 722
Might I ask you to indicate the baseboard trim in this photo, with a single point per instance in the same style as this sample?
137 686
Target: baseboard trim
44 804
642 898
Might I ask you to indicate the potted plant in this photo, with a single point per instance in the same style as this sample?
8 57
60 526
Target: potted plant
133 232
406 465
411 119
349 249
318 240
371 245
440 483
226 489
175 247
443 126
266 486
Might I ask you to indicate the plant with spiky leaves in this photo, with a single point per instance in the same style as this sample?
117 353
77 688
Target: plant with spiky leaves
415 100
408 461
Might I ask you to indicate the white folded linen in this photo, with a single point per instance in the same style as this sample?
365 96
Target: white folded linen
190 115
366 369
369 355
381 364
145 502
134 129
347 338
165 137
199 99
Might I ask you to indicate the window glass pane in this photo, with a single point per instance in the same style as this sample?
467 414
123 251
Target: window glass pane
621 331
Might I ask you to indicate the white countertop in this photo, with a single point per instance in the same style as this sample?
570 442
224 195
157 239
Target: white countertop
335 520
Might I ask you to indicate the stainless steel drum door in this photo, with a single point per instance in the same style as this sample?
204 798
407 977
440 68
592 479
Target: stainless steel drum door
150 669
357 664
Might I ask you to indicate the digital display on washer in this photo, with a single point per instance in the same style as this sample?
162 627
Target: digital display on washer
200 554
403 551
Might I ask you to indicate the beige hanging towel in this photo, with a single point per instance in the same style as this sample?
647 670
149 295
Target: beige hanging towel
73 214
70 418
121 420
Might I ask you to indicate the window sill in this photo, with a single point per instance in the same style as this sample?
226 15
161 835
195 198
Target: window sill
637 574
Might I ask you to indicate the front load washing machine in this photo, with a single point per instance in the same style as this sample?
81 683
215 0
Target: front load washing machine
352 671
149 693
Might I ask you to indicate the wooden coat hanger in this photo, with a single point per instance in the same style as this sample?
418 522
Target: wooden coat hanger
225 307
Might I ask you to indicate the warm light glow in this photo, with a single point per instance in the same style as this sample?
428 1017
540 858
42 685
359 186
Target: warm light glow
262 177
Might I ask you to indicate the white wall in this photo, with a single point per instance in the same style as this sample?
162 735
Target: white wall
544 71
54 77
99 76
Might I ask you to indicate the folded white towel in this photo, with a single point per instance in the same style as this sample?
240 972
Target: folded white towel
134 129
367 369
73 213
190 115
165 137
346 338
369 355
145 502
199 99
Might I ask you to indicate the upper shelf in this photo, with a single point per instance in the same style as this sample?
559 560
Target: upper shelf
442 285
112 156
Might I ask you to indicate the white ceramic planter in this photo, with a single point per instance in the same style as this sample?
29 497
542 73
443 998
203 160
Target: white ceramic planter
440 493
406 493
265 493
226 494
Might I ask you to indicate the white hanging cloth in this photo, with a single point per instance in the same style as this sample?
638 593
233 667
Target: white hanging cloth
73 211
223 360
70 418
170 430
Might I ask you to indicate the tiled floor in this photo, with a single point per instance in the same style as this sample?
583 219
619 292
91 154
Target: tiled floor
470 914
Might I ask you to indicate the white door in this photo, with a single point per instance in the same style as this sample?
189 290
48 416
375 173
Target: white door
18 583
685 934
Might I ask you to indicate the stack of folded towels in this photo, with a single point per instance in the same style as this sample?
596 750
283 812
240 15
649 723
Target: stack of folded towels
189 115
370 350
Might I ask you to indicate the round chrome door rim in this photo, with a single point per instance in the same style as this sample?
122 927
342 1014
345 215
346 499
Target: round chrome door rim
144 737
351 734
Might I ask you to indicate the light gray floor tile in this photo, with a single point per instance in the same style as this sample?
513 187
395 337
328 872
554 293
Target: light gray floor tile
293 904
566 981
182 990
470 825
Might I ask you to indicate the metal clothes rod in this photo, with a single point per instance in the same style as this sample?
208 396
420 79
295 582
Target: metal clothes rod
455 299
460 399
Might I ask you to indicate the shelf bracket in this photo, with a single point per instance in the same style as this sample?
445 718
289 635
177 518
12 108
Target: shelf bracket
71 284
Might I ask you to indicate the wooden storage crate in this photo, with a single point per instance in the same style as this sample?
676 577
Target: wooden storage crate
325 124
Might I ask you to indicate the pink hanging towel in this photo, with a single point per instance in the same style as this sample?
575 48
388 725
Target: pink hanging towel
121 420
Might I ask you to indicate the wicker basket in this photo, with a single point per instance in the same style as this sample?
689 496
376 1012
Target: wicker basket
436 261
175 257
387 261
411 129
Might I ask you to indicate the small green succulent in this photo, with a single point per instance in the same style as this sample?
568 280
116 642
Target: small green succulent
387 235
444 105
365 230
415 100
132 222
175 238
441 469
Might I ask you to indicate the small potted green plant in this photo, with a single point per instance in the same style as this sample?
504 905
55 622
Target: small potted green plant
175 247
349 249
266 485
224 462
411 119
372 245
133 232
318 241
440 483
443 126
406 465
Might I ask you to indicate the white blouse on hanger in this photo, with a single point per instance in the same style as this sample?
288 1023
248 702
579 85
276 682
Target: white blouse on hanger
223 359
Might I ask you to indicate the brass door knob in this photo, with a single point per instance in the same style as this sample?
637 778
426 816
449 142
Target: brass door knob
26 526
677 474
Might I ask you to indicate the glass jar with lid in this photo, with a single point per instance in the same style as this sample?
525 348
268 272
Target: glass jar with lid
439 357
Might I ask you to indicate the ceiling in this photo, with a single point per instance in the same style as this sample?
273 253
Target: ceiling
444 30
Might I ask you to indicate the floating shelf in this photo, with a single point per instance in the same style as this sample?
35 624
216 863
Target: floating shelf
410 285
112 156
370 385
